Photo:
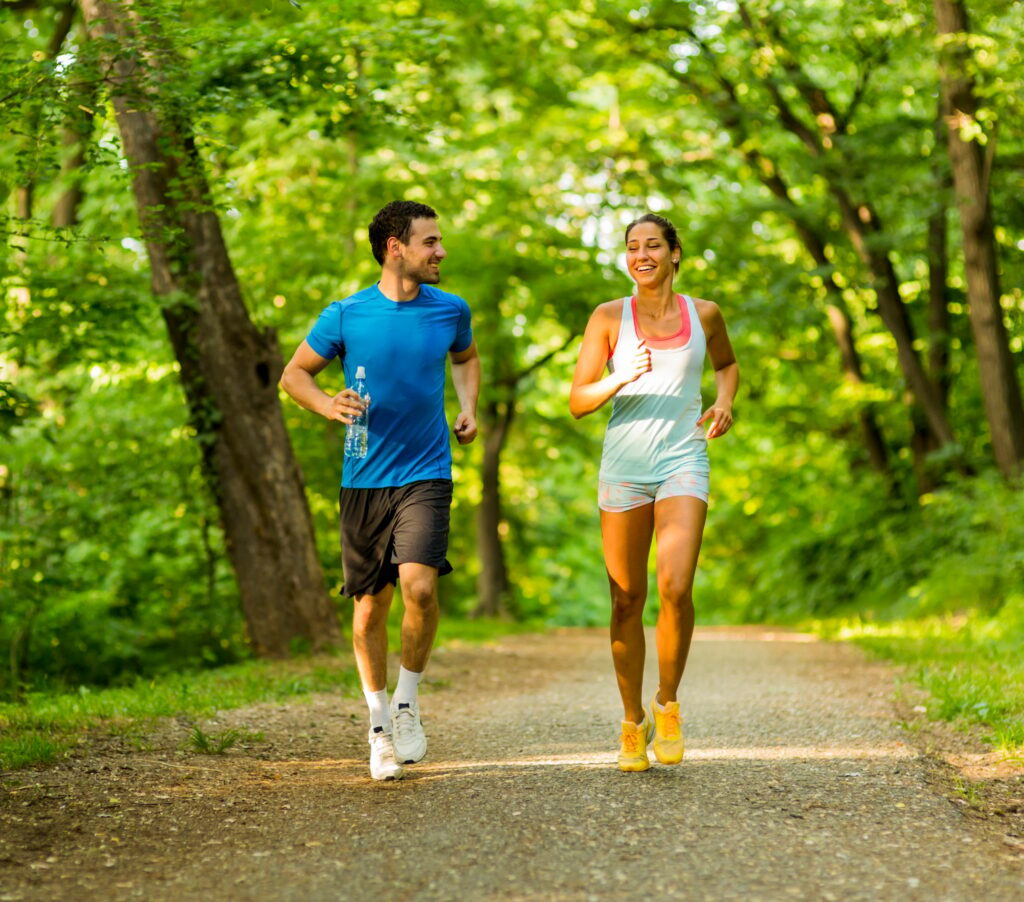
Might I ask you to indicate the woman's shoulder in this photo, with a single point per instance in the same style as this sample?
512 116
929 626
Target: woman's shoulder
703 306
709 312
609 311
604 322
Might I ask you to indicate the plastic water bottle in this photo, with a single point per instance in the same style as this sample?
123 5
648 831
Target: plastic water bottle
355 432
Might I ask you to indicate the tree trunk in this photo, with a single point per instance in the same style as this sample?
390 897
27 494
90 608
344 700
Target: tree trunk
24 193
922 441
352 200
922 444
23 197
65 211
864 229
835 309
74 138
940 333
842 331
492 584
229 369
1000 388
938 300
871 432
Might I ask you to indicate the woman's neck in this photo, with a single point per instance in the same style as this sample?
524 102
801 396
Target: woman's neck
657 300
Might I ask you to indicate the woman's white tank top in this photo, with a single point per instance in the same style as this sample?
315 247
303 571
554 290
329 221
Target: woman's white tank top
653 432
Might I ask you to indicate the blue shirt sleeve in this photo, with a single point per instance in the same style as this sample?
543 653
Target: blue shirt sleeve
463 331
325 336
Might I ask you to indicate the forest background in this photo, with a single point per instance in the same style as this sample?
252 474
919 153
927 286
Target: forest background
186 186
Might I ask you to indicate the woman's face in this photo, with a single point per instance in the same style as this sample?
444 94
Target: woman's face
649 258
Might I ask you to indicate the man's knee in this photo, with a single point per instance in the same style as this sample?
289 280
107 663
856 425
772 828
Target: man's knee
370 612
419 590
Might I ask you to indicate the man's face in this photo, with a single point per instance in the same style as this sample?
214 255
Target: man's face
421 257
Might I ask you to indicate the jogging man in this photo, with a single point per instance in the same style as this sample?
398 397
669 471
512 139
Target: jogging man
395 502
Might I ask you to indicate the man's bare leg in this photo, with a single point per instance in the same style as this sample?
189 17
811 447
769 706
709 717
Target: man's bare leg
419 623
370 638
419 627
370 644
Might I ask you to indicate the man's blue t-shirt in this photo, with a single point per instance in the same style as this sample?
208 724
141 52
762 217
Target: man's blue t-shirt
402 345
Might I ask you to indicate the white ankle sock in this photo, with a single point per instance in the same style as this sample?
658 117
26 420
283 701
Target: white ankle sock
408 684
380 716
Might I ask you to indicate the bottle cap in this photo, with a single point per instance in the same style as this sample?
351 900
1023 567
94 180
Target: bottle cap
360 372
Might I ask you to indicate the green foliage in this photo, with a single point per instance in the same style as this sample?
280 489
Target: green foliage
955 549
15 406
114 564
537 130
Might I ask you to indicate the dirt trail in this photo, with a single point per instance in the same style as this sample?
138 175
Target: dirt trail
796 785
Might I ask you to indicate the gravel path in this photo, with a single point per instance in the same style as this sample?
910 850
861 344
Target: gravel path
796 785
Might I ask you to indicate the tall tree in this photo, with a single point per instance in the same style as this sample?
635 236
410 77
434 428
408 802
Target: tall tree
229 368
922 441
727 103
859 214
971 158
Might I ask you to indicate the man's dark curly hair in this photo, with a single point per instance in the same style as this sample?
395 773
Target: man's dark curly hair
395 221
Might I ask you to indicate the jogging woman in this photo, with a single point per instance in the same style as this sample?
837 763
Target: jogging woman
654 469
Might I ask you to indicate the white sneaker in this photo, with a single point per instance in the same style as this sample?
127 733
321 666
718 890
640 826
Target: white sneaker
410 740
383 765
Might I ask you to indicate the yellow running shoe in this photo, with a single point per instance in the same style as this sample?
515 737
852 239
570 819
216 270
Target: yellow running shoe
633 753
668 732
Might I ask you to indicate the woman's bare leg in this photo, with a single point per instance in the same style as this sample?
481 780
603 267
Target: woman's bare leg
626 537
679 528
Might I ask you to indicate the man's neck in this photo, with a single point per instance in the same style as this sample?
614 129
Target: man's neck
395 288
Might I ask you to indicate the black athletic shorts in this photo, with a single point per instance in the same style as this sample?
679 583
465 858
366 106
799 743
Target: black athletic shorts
382 528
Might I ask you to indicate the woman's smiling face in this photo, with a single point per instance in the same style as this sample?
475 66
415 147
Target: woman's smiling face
650 259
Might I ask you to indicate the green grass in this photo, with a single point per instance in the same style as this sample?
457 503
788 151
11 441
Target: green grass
46 725
22 748
971 666
482 629
218 743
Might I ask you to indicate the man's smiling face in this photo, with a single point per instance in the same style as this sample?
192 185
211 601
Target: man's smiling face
421 257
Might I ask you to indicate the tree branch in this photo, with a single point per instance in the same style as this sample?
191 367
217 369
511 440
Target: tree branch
827 116
65 19
863 77
513 380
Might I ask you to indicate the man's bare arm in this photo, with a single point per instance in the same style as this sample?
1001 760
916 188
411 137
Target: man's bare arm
466 379
299 380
